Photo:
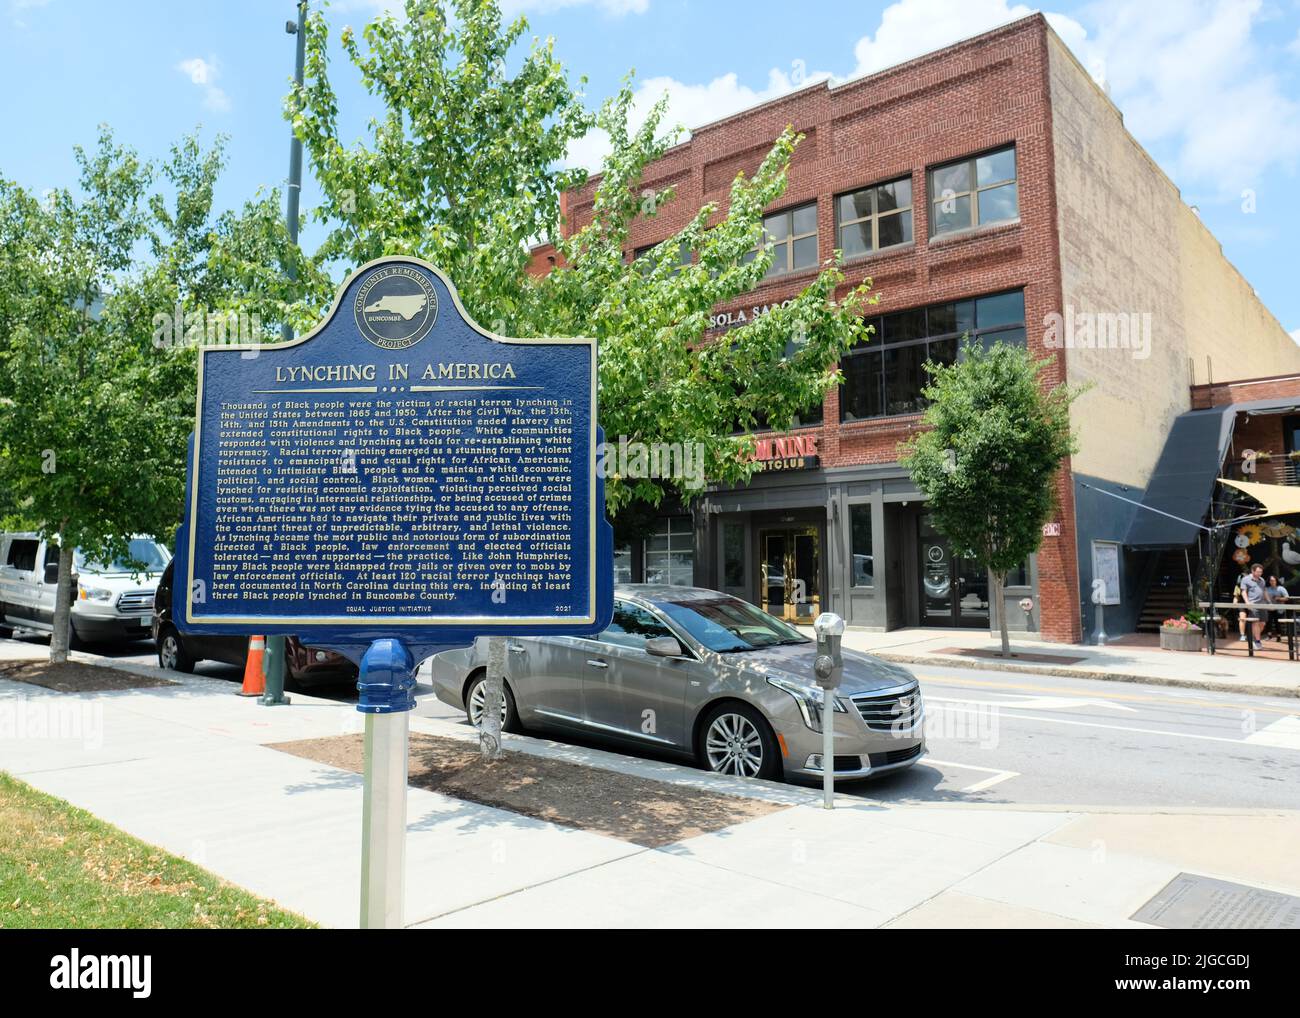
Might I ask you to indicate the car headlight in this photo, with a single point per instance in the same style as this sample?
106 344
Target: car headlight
93 593
810 700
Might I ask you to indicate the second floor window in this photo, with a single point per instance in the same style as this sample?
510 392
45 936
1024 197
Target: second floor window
793 234
641 258
874 218
884 376
974 192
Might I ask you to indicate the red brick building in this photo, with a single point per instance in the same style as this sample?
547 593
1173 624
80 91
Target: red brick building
974 186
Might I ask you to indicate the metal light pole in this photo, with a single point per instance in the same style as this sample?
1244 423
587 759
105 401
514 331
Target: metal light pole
829 671
275 649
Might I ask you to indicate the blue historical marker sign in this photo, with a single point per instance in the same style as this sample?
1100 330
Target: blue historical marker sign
398 472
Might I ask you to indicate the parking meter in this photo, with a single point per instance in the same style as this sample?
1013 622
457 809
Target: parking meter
828 669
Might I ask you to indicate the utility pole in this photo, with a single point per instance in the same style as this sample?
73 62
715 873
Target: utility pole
274 660
298 29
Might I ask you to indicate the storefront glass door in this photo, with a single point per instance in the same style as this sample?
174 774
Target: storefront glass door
790 585
954 590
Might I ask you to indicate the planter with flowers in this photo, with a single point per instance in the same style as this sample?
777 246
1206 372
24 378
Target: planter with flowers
1180 634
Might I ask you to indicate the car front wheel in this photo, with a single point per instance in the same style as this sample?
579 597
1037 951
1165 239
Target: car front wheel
172 654
737 740
476 698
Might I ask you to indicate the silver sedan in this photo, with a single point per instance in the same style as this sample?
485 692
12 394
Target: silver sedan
702 675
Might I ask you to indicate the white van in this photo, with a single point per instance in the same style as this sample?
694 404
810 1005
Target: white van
110 603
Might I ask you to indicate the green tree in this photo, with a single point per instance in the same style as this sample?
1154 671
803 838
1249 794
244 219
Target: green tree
988 461
463 167
97 397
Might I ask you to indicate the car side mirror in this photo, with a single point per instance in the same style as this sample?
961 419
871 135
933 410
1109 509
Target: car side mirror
663 646
51 572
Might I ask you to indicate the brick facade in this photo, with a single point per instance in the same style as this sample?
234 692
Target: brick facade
983 93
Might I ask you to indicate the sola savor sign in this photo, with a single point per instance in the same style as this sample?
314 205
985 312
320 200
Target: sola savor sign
398 471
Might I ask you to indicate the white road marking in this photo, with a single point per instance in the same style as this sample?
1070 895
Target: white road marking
1038 702
1123 728
1283 733
998 775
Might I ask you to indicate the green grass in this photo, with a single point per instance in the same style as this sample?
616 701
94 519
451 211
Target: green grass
61 867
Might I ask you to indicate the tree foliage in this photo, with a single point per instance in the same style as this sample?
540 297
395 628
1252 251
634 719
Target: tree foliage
464 168
96 399
988 461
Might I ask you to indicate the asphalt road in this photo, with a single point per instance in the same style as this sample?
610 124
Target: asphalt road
999 737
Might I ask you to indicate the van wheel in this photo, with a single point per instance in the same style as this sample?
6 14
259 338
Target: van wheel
172 654
6 630
735 739
75 642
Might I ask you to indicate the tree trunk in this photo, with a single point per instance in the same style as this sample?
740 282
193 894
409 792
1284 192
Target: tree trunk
489 734
997 599
61 638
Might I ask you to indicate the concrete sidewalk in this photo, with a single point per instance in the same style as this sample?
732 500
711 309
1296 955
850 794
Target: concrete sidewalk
187 768
1231 671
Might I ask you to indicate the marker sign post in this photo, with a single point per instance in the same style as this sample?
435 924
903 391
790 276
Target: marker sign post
396 482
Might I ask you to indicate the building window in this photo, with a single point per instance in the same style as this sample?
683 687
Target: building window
670 552
733 555
864 573
810 416
622 563
874 218
974 192
641 259
793 235
884 377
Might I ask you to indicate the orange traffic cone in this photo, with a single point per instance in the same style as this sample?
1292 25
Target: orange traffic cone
254 680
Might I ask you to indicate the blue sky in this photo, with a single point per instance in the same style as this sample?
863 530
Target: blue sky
1210 87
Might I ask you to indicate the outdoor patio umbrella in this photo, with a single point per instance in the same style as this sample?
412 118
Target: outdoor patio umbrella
1277 499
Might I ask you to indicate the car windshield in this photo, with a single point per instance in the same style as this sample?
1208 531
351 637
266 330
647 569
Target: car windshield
143 552
728 625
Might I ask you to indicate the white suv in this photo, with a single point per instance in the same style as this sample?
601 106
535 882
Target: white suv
111 603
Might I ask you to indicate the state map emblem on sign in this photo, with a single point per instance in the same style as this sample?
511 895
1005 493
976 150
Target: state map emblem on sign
395 307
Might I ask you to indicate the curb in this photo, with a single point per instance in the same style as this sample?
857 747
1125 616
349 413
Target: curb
995 665
666 772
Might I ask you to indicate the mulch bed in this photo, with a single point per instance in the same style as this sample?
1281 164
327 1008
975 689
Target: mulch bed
632 809
74 677
1038 659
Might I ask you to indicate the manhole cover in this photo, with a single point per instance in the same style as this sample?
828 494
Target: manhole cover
1193 902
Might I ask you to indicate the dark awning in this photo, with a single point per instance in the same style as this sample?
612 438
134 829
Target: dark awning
1182 483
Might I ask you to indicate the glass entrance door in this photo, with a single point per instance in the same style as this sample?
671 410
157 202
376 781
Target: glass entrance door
954 590
790 587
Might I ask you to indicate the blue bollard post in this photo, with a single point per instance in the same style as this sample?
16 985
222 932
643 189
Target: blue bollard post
387 695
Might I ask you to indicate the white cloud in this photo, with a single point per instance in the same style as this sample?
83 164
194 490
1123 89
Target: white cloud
1192 77
694 105
1295 334
204 74
509 8
910 28
614 8
1196 77
18 10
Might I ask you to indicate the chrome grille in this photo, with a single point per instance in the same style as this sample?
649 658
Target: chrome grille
891 711
136 601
